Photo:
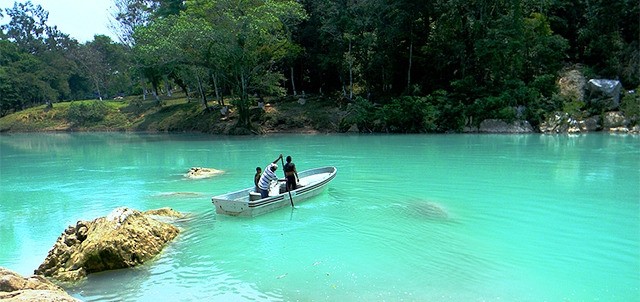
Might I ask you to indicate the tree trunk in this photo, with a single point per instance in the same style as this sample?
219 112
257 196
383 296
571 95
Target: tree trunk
167 86
243 108
202 94
144 90
98 88
409 68
293 83
350 73
217 91
155 92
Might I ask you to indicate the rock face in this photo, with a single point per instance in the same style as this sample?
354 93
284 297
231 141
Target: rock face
500 126
124 238
199 173
14 287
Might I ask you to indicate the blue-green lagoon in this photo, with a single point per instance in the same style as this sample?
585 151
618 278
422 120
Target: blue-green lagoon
408 217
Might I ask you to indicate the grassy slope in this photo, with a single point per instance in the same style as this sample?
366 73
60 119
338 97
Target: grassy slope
177 115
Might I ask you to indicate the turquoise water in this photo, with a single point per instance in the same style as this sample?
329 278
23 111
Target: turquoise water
408 217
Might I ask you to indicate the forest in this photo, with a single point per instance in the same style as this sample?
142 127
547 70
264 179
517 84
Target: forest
395 65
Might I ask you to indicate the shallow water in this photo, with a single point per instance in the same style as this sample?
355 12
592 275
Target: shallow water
408 217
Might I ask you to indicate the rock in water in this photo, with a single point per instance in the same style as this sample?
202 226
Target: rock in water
200 173
14 287
124 238
430 210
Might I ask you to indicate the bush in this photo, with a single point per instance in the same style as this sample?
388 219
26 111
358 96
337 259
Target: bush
362 113
450 111
409 114
630 105
85 113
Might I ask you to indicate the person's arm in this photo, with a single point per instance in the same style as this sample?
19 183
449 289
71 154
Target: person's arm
277 159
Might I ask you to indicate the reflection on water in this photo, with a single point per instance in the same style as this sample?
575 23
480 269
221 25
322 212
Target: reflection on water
414 217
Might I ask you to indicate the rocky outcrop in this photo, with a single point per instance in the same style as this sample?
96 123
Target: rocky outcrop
200 173
14 287
500 126
124 238
613 120
561 122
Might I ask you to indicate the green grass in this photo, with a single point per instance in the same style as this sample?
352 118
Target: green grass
175 114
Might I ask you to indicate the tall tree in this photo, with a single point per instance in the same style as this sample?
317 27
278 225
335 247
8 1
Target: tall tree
250 38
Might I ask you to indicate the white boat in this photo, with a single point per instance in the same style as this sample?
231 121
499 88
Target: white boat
247 202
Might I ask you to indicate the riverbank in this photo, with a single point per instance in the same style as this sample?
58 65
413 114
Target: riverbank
175 114
293 114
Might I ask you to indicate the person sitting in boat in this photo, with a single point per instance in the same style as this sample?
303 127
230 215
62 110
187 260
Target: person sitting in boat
267 177
291 174
256 178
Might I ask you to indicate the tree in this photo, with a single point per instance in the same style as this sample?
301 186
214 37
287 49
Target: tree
249 38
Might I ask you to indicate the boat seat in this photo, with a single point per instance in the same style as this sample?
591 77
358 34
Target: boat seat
254 196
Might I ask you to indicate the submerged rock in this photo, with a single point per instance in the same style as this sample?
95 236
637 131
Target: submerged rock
125 238
199 173
429 210
14 287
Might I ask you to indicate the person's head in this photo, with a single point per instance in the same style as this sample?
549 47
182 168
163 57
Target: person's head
258 169
273 167
288 159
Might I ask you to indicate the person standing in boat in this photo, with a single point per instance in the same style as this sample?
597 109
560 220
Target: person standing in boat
256 178
291 174
267 177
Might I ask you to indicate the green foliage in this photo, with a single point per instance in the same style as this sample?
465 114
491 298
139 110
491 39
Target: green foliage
451 116
630 105
362 113
86 113
574 108
409 114
460 61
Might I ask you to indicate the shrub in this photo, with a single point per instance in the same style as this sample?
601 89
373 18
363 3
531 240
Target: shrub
362 113
409 114
84 113
630 105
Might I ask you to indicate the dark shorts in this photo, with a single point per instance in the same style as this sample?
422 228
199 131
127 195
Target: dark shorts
264 193
291 182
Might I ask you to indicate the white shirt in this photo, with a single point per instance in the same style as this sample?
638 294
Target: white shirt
267 177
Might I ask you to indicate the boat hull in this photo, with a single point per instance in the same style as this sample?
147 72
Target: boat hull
239 203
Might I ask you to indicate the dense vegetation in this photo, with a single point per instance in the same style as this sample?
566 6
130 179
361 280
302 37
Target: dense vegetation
393 65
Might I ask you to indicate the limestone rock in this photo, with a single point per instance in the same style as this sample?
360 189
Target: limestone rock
614 119
590 124
200 173
14 287
124 238
500 126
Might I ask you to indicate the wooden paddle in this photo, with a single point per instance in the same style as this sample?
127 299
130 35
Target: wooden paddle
285 182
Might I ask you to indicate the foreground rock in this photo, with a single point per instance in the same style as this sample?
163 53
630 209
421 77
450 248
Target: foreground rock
124 238
199 173
14 287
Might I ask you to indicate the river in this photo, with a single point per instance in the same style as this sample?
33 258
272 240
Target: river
408 217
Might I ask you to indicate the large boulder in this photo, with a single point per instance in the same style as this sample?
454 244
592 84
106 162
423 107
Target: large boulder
604 93
124 238
200 173
614 119
500 126
14 287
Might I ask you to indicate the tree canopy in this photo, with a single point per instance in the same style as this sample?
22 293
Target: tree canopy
449 62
